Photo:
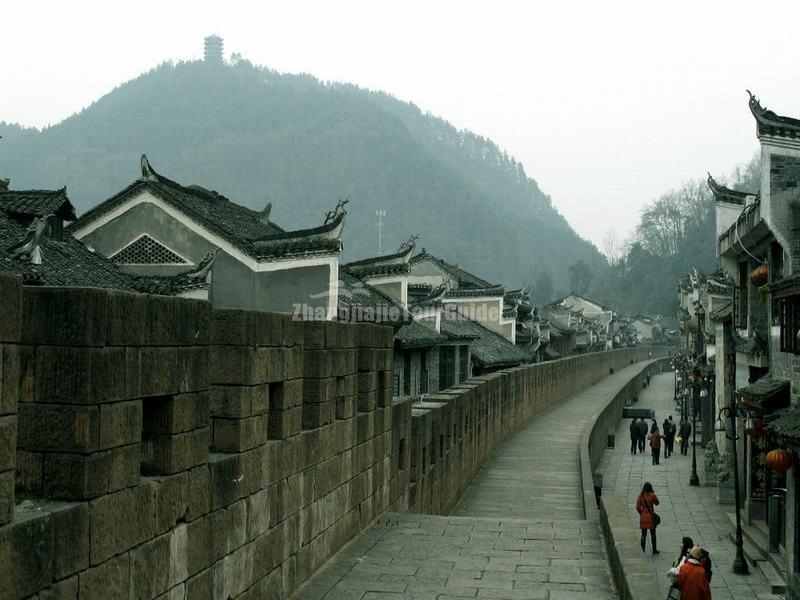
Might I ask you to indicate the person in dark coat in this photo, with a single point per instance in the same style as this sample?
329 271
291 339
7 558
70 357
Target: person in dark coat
653 425
642 434
634 435
669 436
645 504
685 431
686 546
655 445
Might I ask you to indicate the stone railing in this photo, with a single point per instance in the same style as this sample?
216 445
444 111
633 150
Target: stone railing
155 447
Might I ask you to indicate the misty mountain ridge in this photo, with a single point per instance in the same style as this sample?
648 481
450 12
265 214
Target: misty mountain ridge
259 136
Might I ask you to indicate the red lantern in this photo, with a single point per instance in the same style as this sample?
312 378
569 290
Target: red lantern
779 460
757 430
759 275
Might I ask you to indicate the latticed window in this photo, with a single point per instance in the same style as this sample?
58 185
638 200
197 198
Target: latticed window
790 323
147 251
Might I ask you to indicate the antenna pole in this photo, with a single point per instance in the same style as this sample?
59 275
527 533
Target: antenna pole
380 214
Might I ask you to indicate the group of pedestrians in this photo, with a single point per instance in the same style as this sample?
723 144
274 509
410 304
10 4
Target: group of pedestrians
691 571
641 433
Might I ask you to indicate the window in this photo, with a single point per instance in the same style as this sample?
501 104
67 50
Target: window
423 372
740 297
776 260
463 363
447 366
407 374
147 251
789 314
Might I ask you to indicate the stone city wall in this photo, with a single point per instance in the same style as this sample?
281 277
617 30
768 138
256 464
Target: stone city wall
163 449
455 431
152 447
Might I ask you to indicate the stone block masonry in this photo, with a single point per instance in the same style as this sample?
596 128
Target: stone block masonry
152 447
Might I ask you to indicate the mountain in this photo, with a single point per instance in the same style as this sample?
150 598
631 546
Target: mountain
259 136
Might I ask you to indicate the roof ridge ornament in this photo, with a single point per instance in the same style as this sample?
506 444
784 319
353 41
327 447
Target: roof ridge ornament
411 243
30 245
331 215
148 173
755 105
263 216
204 268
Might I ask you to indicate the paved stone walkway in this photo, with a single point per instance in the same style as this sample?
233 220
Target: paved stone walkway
518 533
685 510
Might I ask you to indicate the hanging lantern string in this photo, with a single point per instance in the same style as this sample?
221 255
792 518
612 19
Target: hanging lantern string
746 251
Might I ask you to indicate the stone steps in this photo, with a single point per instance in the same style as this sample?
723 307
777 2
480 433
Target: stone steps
756 549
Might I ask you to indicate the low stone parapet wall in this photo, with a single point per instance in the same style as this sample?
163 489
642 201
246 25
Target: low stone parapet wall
633 574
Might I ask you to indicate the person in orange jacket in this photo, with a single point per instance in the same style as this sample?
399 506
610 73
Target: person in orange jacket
648 520
692 579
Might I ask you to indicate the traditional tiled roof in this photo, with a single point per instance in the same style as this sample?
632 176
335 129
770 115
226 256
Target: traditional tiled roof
766 394
769 123
560 301
64 263
37 203
720 283
723 194
68 262
430 298
250 231
360 302
784 424
380 266
723 313
463 278
488 348
551 354
788 286
495 290
417 335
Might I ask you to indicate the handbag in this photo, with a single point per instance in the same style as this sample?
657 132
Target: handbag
656 516
674 592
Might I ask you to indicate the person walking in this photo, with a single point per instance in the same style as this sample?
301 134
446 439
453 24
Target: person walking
634 435
653 425
642 434
655 445
648 519
669 436
692 579
685 431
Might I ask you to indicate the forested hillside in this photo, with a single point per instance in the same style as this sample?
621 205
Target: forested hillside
676 233
258 136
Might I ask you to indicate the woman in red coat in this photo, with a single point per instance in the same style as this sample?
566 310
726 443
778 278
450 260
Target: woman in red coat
692 579
645 504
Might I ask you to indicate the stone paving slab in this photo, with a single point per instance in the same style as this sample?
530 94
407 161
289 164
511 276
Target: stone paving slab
685 510
518 532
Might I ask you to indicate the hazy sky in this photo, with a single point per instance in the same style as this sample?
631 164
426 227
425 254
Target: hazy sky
607 104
